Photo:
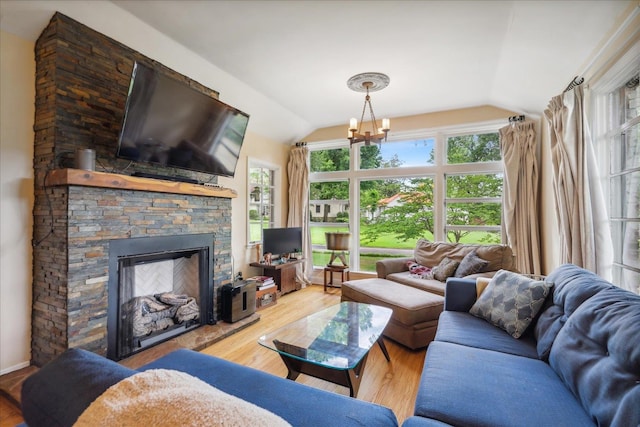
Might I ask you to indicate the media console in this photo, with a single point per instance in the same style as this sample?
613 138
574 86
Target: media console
284 274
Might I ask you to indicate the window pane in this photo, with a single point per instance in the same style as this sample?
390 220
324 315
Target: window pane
625 195
631 243
474 186
397 154
394 213
628 279
473 148
632 149
329 211
261 201
470 219
329 160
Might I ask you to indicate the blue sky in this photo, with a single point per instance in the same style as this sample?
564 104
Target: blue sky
411 153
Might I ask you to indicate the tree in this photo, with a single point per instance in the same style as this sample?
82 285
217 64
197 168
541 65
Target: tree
369 200
473 148
412 218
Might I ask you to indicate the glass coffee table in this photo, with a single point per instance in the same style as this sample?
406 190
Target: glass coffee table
332 344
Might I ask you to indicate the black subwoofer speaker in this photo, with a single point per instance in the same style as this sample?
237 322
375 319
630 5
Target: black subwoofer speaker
238 301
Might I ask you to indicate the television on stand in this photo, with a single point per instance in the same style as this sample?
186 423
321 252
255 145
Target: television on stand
282 242
171 124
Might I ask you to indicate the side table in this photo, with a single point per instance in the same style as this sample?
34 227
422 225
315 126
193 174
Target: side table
343 269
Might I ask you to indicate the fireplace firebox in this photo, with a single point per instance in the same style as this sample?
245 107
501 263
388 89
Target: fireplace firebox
163 287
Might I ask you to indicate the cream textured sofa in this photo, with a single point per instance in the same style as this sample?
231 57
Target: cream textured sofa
430 254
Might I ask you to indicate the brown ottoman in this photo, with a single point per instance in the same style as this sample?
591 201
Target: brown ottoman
415 312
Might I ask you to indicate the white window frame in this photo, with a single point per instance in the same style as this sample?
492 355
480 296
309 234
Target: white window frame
616 77
276 209
438 171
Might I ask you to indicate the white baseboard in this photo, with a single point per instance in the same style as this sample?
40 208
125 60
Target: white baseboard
15 367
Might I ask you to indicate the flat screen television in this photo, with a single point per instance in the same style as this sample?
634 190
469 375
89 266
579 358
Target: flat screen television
281 241
169 123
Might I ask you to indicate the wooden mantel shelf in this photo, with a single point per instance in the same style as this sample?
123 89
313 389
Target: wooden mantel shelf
86 178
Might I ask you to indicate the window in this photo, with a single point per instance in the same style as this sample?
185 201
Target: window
474 208
262 199
330 202
617 133
445 186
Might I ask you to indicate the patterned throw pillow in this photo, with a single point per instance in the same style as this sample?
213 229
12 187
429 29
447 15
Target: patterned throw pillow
446 268
419 270
471 264
511 301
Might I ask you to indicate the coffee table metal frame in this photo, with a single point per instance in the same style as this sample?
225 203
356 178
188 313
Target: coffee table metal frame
313 330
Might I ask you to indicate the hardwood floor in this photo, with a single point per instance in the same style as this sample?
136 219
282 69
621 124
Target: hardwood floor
393 384
10 415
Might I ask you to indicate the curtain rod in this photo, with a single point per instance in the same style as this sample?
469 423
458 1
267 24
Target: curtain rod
577 81
514 119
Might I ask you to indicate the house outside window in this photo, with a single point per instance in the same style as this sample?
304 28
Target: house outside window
261 199
617 140
443 186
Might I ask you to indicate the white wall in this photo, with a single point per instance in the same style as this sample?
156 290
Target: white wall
17 85
268 151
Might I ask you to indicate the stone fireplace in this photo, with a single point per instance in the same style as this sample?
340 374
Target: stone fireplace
82 80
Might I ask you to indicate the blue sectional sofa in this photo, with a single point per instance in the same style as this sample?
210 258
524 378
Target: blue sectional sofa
60 392
578 364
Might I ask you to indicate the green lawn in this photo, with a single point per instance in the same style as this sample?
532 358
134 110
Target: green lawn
386 240
367 262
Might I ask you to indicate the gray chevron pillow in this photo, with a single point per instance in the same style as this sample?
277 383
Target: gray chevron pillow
511 301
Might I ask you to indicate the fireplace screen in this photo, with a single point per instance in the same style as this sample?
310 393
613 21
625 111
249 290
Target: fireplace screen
157 296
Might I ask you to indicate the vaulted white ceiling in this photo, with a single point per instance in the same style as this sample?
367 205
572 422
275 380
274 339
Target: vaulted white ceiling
439 55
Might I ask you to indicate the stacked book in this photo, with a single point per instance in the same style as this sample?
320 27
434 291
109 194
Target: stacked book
263 282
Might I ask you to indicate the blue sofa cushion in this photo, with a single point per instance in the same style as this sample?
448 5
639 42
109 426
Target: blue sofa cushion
465 329
572 286
467 386
597 354
511 301
58 393
300 405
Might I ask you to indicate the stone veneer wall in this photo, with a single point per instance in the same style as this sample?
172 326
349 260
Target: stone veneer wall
82 80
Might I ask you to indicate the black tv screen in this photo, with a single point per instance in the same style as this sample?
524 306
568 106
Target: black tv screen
169 123
281 241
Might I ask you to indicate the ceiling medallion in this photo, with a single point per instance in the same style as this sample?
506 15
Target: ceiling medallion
371 81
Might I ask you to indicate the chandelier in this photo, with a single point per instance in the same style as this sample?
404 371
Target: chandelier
368 82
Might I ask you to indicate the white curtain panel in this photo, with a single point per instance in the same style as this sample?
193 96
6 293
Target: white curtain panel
298 172
520 195
582 218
